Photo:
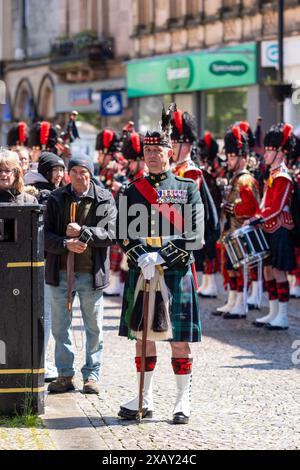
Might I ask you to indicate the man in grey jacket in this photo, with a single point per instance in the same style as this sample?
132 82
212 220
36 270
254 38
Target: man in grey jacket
95 217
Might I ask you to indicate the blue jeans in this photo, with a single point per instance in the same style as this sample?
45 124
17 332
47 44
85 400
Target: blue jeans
91 305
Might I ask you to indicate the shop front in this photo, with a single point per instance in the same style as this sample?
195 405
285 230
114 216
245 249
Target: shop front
269 60
214 85
99 103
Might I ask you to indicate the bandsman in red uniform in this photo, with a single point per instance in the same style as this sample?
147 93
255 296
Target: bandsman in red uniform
275 212
241 202
183 136
209 150
112 175
17 136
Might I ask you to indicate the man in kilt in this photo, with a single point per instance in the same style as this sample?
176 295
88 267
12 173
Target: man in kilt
161 252
275 215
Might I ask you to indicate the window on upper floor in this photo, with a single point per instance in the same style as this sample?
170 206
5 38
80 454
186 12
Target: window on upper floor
25 14
192 7
176 8
145 12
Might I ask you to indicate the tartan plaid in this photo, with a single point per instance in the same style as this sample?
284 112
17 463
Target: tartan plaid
116 256
184 309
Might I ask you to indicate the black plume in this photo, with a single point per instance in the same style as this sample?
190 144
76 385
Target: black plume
167 116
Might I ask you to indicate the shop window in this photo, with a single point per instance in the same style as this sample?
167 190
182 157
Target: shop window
223 108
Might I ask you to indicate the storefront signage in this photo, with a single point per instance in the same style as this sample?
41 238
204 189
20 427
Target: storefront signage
80 97
214 68
270 52
234 68
111 104
179 73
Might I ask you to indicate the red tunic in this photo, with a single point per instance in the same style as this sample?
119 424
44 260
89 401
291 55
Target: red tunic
188 169
276 202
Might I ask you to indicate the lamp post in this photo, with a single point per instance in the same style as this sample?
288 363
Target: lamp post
281 53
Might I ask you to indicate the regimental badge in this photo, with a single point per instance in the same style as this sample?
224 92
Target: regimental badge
126 243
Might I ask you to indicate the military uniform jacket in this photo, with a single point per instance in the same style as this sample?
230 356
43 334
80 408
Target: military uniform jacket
244 195
276 202
188 169
141 228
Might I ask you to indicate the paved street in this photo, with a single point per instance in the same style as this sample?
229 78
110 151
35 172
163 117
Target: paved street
246 393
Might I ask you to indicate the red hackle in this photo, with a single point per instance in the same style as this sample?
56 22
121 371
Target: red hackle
44 132
22 132
287 130
108 135
237 134
178 120
136 142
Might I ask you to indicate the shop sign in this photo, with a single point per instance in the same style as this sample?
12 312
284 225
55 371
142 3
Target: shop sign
179 73
80 97
232 66
270 52
111 104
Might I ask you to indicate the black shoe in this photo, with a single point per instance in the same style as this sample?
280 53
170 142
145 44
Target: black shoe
258 324
132 414
217 314
180 418
207 296
253 307
234 316
275 328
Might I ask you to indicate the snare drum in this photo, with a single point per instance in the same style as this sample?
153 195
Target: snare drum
246 246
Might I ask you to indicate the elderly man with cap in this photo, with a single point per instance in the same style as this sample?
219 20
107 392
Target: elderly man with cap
80 220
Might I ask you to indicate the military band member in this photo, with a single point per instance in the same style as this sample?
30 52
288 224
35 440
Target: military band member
43 137
17 136
275 211
183 136
209 149
164 257
112 175
242 199
133 152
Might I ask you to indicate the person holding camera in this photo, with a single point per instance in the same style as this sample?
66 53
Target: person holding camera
79 226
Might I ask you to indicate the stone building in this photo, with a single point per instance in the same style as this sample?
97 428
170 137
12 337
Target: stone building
212 57
61 54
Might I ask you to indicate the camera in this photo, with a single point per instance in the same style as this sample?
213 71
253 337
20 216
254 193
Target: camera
86 236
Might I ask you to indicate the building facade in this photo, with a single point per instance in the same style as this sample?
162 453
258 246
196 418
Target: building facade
63 54
206 55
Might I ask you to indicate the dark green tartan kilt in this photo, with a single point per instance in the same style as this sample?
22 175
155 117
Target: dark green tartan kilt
184 309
